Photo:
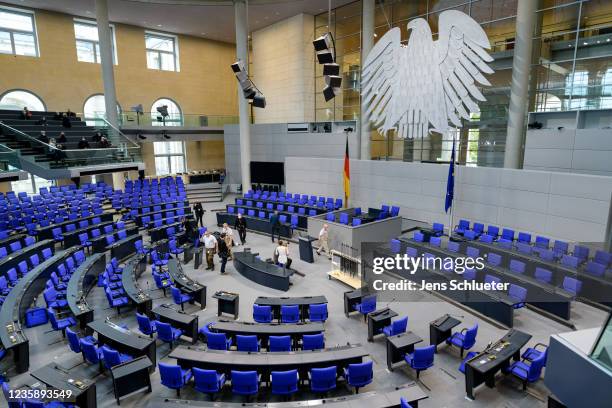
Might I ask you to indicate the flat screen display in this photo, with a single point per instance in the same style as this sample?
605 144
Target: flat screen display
268 172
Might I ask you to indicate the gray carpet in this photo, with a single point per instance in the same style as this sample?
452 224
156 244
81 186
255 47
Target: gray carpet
444 383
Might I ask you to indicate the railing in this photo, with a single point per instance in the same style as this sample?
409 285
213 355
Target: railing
76 157
149 119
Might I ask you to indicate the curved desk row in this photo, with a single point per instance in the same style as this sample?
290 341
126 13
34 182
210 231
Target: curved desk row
18 301
372 399
72 238
303 302
47 232
6 242
129 279
151 214
81 282
302 218
13 259
255 224
159 233
141 207
99 244
263 331
123 340
124 248
264 363
261 272
186 284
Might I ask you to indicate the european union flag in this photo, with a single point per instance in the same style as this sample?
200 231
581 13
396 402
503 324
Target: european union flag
450 182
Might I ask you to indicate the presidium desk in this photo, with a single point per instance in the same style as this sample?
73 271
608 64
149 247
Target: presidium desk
262 272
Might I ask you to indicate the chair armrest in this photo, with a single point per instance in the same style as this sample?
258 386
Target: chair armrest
540 344
519 368
464 330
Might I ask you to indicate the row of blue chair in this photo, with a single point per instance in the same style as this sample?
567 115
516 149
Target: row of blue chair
16 246
8 281
321 380
290 313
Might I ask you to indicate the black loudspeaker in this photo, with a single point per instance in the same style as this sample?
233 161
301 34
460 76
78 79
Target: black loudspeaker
333 80
331 69
325 57
329 93
238 66
322 43
249 93
259 101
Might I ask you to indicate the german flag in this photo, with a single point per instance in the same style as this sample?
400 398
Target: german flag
347 175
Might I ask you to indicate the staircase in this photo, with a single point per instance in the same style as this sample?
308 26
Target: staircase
204 193
39 158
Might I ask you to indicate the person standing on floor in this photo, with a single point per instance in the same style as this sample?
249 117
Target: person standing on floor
199 213
240 226
324 241
228 238
210 245
282 254
274 225
223 251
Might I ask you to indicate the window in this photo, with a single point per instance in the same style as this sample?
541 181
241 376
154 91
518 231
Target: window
95 109
162 51
174 117
18 33
169 157
17 100
31 185
88 44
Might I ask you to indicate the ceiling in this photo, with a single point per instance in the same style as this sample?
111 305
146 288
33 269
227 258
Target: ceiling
203 18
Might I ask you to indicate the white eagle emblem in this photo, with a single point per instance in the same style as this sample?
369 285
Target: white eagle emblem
407 88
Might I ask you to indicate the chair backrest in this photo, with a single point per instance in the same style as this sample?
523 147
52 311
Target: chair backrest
493 231
89 351
284 381
602 257
247 343
317 311
279 343
595 268
73 340
572 285
435 241
171 375
400 325
569 260
418 236
176 295
323 377
453 246
470 337
360 373
472 252
486 238
164 331
516 292
524 237
144 324
313 341
438 227
535 368
205 380
244 381
262 313
543 275
491 279
216 341
423 357
517 266
395 245
290 312
463 225
494 259
508 234
542 242
111 357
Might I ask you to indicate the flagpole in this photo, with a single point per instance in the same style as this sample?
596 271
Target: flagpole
452 208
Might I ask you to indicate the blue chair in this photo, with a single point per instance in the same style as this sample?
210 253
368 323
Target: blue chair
435 241
421 359
167 333
470 235
528 371
467 358
323 380
572 285
317 312
162 281
208 381
367 305
284 382
174 249
404 403
356 222
395 246
344 219
518 294
279 343
465 339
418 237
47 253
145 325
179 297
452 246
560 248
247 343
113 357
74 342
60 324
245 382
397 327
532 353
478 228
543 275
517 266
493 231
438 229
91 353
262 314
542 242
464 225
581 252
524 237
331 217
595 269
494 259
359 375
290 313
508 234
218 341
174 377
570 261
486 238
313 341
472 252
602 257
157 260
492 279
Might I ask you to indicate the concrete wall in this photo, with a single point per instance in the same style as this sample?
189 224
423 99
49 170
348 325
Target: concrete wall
272 142
283 68
558 205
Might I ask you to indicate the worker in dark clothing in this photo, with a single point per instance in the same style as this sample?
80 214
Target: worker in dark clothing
83 143
240 226
275 225
222 251
199 213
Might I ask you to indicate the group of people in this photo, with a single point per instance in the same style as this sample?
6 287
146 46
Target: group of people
64 117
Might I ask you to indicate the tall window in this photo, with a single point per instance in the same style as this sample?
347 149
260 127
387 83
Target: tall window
18 33
162 51
169 157
95 109
174 117
31 185
20 99
88 43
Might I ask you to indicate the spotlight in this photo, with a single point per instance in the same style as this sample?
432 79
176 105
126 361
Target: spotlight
141 137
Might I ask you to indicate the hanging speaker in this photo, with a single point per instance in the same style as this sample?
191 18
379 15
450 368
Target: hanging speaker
331 69
333 80
238 66
322 43
329 93
259 101
249 93
325 57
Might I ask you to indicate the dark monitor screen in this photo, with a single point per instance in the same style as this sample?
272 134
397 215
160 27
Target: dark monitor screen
268 172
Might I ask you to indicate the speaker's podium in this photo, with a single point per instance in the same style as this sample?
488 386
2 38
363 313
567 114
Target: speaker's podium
306 248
